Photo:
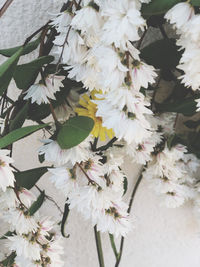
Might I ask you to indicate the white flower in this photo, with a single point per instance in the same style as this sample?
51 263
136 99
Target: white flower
74 49
171 175
53 153
123 22
62 22
141 153
142 74
6 175
180 14
20 222
53 251
87 20
131 126
64 179
24 247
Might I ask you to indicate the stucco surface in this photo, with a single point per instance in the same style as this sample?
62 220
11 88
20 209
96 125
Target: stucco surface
161 238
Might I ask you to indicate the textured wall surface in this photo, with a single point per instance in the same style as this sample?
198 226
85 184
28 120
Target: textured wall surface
161 238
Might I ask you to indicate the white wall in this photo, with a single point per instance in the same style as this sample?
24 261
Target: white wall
162 237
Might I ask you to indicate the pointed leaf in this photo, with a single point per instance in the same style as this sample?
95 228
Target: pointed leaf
157 54
26 50
187 106
156 7
20 118
37 204
26 74
18 134
9 261
29 178
64 219
74 131
7 69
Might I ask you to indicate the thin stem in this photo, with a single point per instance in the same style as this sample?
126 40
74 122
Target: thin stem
52 111
109 144
99 247
141 39
5 7
50 199
35 33
163 31
129 210
112 242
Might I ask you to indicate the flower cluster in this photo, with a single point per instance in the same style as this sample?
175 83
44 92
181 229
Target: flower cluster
101 87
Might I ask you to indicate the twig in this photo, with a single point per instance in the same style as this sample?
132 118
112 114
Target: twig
50 199
99 247
112 242
109 144
5 7
129 210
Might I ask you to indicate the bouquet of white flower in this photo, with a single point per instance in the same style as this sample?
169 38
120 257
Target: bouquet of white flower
94 90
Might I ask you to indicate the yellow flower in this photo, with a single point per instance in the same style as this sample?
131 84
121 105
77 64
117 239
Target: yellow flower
89 109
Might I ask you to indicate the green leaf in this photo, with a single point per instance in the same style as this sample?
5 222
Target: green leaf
157 54
64 219
7 70
195 2
37 204
156 7
29 178
9 233
26 49
9 260
26 74
18 134
187 106
20 118
125 185
192 124
74 131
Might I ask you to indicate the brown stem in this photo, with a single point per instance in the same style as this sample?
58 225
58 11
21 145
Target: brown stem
5 7
85 173
52 111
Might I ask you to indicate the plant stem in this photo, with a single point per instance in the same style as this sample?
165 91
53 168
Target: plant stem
5 7
99 247
112 242
129 210
109 144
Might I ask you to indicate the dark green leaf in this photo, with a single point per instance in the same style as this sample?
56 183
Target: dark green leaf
125 185
9 260
26 50
9 233
187 106
64 219
37 204
74 131
192 124
26 74
195 2
29 178
157 54
20 118
18 134
156 7
7 69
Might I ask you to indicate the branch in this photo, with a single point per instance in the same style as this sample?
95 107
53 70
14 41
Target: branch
99 247
5 7
129 210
